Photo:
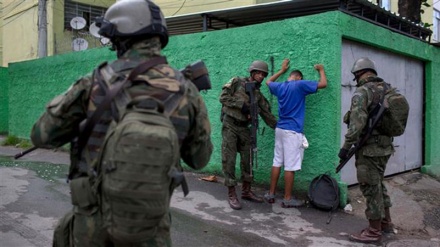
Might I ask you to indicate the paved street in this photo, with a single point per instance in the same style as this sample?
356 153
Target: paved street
34 195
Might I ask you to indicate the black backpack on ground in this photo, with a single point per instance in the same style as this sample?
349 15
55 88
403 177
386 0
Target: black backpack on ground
324 194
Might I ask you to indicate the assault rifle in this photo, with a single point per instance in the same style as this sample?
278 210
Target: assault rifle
373 120
253 107
196 72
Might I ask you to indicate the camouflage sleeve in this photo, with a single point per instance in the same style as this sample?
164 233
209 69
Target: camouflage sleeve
227 97
265 112
358 117
197 148
59 124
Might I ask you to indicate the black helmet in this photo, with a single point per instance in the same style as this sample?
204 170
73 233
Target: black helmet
363 64
133 19
258 65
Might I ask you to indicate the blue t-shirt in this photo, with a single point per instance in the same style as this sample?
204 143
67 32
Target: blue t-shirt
291 102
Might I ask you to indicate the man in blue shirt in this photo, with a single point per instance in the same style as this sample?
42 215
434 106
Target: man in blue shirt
290 141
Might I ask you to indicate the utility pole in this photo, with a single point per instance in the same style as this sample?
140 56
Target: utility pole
42 29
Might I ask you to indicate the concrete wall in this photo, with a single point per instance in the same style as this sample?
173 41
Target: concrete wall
305 40
1 32
100 3
175 8
4 104
20 30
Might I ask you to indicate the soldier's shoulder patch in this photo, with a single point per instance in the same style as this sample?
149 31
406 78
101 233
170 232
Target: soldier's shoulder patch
356 99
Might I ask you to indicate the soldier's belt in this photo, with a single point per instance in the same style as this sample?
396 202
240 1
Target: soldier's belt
380 139
236 122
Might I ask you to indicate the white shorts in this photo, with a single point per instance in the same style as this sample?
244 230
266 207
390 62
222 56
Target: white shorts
289 149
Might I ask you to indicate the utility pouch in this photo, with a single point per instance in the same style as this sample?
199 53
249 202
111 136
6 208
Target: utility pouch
83 194
384 141
62 236
346 118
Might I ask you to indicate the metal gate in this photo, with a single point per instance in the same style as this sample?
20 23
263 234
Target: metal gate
407 75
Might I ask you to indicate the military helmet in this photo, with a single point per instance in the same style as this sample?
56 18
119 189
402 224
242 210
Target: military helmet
259 65
362 64
133 18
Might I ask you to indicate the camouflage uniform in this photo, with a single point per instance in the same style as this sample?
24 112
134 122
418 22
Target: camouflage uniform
59 125
236 128
371 159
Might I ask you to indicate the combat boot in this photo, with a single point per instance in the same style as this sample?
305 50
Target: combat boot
247 194
234 203
371 234
386 225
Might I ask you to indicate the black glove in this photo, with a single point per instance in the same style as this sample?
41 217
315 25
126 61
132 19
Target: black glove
245 109
343 153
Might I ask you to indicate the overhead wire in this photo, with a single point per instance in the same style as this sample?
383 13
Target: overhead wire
181 6
9 11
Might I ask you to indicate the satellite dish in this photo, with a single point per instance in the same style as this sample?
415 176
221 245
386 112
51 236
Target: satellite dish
93 29
79 44
78 23
104 41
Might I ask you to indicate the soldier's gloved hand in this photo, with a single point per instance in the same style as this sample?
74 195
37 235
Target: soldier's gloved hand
343 153
245 109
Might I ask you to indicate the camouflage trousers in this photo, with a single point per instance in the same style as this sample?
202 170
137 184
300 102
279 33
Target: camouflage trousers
89 231
235 139
370 173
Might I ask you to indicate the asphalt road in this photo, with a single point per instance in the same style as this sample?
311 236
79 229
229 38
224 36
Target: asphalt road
34 195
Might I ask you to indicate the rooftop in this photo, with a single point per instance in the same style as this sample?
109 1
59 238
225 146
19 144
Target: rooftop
261 13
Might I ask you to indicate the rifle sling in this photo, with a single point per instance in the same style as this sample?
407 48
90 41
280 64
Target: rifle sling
91 122
376 115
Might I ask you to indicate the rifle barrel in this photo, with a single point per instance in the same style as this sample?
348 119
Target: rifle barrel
23 153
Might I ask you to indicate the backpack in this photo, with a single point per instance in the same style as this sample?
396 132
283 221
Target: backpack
395 116
324 193
138 167
63 233
139 160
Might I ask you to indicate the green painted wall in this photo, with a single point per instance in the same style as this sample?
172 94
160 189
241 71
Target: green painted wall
4 85
35 82
227 53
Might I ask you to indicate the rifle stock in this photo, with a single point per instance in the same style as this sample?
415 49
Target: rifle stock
198 74
253 107
372 123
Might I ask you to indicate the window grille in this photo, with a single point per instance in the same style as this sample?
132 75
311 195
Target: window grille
88 12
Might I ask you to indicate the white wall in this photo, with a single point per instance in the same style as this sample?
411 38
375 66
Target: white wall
436 21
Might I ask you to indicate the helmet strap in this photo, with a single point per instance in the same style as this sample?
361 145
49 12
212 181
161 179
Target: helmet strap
358 74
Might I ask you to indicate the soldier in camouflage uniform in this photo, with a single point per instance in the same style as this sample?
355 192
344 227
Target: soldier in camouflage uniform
236 130
60 123
372 158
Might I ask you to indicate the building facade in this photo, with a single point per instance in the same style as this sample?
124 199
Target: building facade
19 25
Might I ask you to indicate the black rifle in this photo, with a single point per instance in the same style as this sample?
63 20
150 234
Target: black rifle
253 107
23 153
196 72
373 120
